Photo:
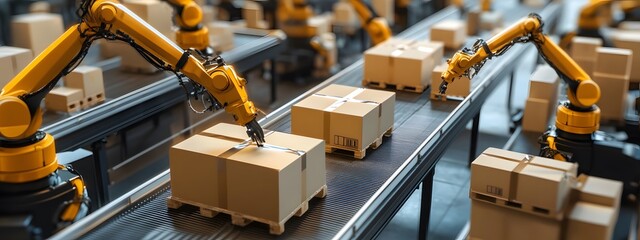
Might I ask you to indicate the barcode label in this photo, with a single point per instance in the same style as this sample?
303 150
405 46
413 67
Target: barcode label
345 141
494 190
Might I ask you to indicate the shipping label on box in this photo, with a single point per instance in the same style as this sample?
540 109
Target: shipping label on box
489 221
350 118
220 168
522 182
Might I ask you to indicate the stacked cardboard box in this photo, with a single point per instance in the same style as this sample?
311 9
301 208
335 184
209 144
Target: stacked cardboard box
89 80
536 185
517 196
611 73
453 33
219 170
12 61
541 103
631 41
405 64
345 117
596 208
583 52
36 31
221 35
253 15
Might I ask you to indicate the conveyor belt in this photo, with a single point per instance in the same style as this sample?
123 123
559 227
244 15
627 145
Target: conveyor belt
362 195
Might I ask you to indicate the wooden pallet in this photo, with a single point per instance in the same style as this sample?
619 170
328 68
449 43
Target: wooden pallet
240 219
518 206
359 154
399 87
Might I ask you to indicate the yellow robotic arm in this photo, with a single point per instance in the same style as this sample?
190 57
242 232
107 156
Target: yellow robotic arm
376 26
20 99
191 32
580 115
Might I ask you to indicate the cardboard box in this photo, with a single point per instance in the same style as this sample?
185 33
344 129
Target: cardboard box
522 182
14 59
536 115
614 90
252 13
535 3
384 8
216 169
453 33
587 65
378 64
221 35
36 31
64 99
630 41
130 59
320 24
591 221
345 117
89 79
6 69
413 67
584 48
156 13
40 7
208 14
344 14
473 22
613 61
436 47
600 191
491 20
461 87
497 223
629 25
544 83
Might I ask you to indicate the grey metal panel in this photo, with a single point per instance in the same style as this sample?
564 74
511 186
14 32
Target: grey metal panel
362 195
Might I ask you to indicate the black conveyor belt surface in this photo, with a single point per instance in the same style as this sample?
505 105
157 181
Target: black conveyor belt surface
362 195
